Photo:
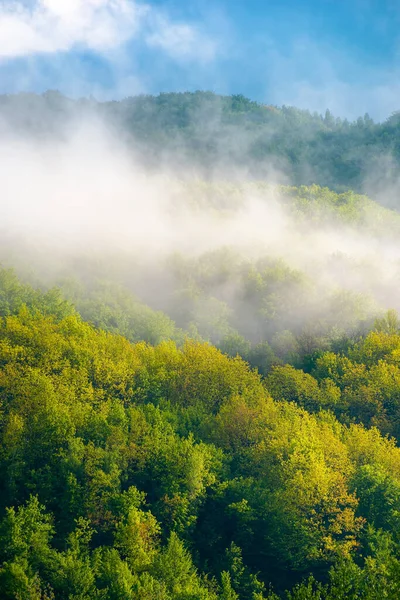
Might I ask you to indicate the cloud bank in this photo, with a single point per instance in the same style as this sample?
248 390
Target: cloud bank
52 26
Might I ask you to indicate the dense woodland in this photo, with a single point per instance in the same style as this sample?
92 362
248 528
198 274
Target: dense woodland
214 425
173 471
206 132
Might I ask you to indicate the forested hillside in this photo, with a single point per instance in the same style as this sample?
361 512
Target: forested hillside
316 271
133 471
208 133
199 351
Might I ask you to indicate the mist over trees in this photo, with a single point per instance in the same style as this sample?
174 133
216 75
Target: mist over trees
199 351
207 133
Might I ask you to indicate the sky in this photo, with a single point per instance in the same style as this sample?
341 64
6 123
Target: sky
313 54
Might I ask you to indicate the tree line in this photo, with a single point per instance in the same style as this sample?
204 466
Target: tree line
210 132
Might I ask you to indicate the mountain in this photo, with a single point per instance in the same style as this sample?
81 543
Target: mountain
206 133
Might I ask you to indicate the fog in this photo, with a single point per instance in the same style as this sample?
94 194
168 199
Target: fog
84 206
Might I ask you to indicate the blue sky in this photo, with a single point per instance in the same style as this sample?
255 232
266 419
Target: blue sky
314 54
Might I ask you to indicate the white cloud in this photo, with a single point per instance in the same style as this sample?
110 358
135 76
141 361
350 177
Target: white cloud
180 41
49 26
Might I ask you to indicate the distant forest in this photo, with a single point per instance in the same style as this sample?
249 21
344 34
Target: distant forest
206 132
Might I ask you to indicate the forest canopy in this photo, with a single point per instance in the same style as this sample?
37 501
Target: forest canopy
175 471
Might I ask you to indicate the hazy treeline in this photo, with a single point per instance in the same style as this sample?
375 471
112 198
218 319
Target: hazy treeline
272 273
205 133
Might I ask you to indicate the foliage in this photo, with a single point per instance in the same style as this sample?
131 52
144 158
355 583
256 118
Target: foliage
132 471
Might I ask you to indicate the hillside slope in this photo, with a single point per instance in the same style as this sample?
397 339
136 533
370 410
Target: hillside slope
207 132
